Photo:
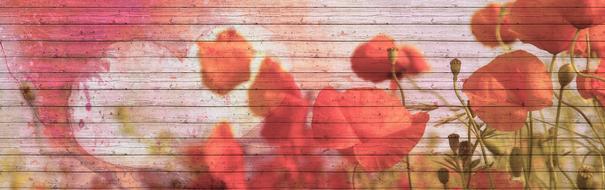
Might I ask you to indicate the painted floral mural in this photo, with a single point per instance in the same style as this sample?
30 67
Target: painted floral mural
307 94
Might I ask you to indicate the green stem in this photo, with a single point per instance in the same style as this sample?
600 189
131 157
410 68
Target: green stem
530 135
407 156
394 75
553 60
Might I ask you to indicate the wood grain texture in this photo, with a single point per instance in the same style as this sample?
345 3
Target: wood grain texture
154 77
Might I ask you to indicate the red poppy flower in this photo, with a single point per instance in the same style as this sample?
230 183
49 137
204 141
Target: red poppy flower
537 23
591 88
275 96
499 180
483 26
372 122
370 61
582 13
503 91
224 155
226 62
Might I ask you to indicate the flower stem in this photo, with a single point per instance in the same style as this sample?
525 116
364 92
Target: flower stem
392 57
553 60
530 135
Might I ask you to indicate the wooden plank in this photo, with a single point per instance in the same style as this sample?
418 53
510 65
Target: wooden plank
148 118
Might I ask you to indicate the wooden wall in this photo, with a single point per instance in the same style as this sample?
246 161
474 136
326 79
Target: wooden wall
152 71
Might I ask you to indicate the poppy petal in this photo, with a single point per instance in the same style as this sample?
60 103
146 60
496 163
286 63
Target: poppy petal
225 155
225 63
330 126
270 88
384 152
483 26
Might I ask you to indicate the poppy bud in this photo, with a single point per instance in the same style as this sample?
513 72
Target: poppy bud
455 66
392 55
566 75
27 92
584 178
515 162
443 175
454 140
465 151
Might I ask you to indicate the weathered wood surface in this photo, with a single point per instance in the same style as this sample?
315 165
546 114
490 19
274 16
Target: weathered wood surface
155 73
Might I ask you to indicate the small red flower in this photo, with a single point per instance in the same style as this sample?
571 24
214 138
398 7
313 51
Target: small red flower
537 23
484 179
503 91
226 62
592 88
483 26
370 61
224 157
371 122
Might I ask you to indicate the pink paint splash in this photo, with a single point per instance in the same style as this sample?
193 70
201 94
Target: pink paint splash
51 81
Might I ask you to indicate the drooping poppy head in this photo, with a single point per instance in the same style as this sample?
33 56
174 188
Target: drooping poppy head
538 23
484 22
581 13
370 61
372 122
225 63
503 91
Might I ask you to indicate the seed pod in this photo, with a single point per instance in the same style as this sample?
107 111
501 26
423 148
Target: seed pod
515 162
566 75
443 175
584 178
455 66
465 150
454 140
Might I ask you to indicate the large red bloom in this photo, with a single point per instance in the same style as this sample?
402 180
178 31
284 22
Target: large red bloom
484 22
370 61
372 122
538 23
502 92
226 62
